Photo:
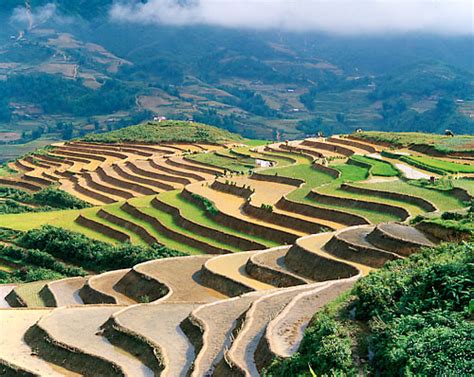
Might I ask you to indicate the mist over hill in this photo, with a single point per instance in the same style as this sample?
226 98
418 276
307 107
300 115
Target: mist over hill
70 69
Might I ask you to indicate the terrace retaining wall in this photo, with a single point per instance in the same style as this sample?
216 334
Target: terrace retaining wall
315 267
422 203
329 147
399 212
321 212
245 226
124 184
353 143
142 232
179 237
238 242
277 179
160 177
102 228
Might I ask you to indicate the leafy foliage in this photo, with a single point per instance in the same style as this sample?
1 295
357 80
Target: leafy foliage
95 255
413 315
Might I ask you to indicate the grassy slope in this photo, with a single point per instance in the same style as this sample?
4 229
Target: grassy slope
403 139
441 199
380 168
447 166
166 131
64 218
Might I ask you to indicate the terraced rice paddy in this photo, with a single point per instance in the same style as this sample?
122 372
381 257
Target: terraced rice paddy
236 301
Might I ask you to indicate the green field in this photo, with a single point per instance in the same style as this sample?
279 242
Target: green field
437 164
441 143
380 168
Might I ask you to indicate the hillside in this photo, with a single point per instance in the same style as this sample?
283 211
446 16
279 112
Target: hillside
165 132
61 80
436 143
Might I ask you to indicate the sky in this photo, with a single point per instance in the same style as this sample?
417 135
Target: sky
333 16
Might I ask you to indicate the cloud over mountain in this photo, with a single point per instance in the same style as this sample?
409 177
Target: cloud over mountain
334 16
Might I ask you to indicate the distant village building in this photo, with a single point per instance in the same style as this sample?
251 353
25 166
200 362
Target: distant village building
156 118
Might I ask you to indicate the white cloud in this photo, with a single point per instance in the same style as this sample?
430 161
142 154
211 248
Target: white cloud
37 16
335 16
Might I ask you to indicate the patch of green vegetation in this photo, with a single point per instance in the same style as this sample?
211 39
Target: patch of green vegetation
441 143
436 165
466 184
201 216
166 131
413 316
220 161
441 199
48 199
5 170
255 142
162 239
143 204
380 168
77 249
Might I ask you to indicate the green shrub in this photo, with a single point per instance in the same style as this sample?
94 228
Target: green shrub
81 250
53 197
326 347
437 343
206 204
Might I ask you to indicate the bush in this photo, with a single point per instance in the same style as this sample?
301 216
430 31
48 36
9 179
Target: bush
53 197
326 347
206 204
95 255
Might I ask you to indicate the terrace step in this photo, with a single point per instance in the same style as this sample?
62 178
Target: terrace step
15 354
206 171
110 176
163 166
308 258
130 172
72 337
65 292
216 324
159 326
358 144
242 355
268 266
176 279
5 289
197 228
284 333
398 238
149 168
231 215
352 244
227 274
27 295
94 181
99 289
